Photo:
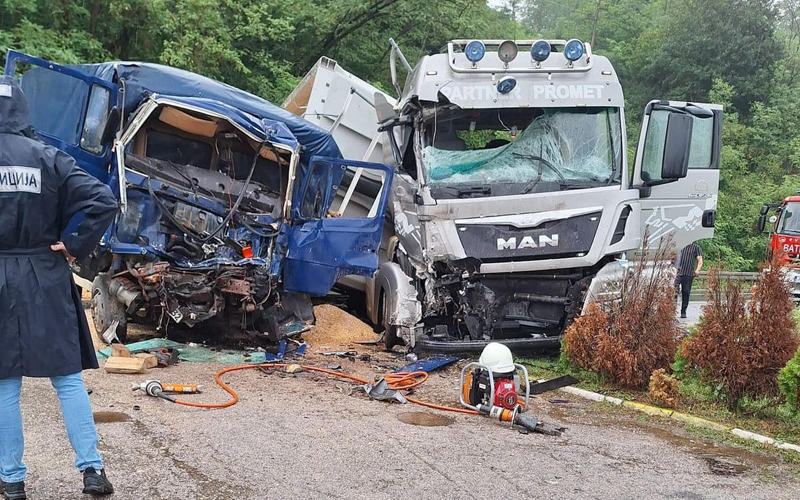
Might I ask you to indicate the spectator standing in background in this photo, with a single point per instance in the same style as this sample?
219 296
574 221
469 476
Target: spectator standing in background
688 262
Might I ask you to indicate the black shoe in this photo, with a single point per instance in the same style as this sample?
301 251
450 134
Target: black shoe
13 491
683 315
96 483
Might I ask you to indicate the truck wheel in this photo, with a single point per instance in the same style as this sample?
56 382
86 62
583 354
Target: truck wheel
107 309
390 331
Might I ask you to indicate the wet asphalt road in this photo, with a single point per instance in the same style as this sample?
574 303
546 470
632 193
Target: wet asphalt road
692 313
305 437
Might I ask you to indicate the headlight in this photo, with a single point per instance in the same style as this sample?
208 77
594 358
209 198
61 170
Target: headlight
573 50
506 84
507 51
540 50
475 50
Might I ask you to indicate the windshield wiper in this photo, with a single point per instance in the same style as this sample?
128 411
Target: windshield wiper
582 184
473 190
541 161
469 191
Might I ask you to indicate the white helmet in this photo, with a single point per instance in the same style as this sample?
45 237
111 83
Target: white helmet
497 357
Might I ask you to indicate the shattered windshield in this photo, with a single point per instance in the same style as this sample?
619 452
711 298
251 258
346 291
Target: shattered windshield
517 151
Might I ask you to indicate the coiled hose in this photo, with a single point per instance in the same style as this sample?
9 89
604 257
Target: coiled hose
395 381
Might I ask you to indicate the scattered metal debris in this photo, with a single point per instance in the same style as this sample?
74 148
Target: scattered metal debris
552 384
381 392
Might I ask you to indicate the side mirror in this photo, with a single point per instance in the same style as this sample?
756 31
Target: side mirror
110 132
762 222
675 162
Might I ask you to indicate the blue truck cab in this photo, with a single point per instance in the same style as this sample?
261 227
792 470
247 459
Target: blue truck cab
224 198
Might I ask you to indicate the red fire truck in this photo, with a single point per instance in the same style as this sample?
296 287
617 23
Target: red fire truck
784 229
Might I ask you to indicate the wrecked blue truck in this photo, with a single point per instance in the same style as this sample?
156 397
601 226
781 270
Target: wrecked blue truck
224 198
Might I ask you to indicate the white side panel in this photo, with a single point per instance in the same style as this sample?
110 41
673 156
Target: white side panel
325 93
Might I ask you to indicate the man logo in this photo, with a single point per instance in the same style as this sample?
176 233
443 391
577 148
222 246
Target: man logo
526 242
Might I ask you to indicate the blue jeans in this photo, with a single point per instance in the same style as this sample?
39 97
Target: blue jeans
77 413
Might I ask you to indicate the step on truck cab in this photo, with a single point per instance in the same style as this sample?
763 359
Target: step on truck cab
513 198
224 198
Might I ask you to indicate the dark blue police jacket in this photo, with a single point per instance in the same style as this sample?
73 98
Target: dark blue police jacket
43 329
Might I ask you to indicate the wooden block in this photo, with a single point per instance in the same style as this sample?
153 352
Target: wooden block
151 360
120 350
120 364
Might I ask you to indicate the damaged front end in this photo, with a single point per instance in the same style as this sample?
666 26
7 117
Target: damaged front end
241 300
465 310
203 232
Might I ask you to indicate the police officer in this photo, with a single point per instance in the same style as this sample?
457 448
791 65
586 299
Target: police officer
43 329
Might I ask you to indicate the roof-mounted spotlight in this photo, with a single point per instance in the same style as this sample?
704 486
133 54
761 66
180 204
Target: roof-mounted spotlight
540 50
507 51
475 50
506 84
574 50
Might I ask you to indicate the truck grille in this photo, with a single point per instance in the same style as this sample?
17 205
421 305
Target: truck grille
560 238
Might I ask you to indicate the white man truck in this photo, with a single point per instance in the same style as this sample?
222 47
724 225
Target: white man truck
513 198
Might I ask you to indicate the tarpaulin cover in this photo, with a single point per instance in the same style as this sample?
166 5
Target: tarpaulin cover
142 79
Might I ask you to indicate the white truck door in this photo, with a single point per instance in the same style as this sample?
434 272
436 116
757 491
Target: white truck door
678 204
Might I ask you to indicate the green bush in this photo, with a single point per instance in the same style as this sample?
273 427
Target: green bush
789 382
679 366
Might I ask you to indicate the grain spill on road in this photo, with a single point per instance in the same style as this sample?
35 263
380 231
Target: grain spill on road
336 327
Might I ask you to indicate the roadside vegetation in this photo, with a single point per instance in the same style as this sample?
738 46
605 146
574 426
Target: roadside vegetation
629 329
739 366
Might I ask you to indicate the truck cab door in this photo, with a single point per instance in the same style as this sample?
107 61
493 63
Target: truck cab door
321 249
677 171
70 110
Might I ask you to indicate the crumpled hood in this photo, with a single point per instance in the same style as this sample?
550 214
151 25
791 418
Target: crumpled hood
14 115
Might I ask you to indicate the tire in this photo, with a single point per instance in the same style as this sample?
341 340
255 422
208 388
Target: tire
107 309
390 336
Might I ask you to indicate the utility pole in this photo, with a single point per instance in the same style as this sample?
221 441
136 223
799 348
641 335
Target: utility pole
594 25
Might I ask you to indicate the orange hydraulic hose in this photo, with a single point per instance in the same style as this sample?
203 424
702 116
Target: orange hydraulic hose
397 381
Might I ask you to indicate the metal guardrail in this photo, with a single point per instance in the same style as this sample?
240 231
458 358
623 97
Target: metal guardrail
732 275
699 291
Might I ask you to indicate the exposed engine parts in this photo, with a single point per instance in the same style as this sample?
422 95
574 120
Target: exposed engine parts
464 306
242 297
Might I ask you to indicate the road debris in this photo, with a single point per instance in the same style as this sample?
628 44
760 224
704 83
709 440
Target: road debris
151 360
428 364
336 328
342 354
125 365
381 392
120 350
550 385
